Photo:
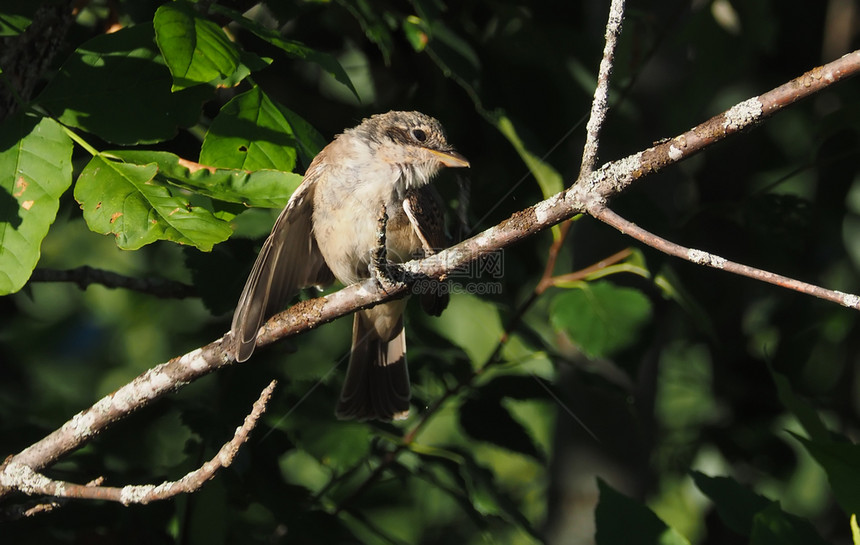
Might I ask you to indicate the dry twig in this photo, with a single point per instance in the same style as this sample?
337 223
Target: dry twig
21 477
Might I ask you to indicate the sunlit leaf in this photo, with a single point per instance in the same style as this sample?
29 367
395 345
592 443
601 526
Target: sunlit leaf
195 49
250 133
127 201
265 188
35 169
300 468
548 178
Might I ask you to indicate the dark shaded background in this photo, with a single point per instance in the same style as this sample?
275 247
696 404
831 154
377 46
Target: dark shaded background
693 392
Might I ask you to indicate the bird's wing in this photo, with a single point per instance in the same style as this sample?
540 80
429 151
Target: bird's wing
288 261
423 207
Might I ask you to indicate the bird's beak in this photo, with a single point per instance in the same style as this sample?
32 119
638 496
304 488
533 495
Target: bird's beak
450 158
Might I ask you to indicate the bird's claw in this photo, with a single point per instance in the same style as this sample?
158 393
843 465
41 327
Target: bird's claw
387 274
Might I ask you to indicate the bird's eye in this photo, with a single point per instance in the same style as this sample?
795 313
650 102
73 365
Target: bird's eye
419 135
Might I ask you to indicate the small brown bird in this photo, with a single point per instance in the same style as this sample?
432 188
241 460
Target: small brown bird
329 230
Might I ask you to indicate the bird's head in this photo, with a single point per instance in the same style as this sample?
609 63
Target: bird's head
413 142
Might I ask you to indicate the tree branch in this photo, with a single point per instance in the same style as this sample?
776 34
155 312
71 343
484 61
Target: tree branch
84 276
737 118
700 257
21 477
600 102
588 193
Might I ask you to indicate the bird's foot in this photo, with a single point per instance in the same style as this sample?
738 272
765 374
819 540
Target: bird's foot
387 274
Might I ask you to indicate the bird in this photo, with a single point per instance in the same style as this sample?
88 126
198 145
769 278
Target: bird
329 230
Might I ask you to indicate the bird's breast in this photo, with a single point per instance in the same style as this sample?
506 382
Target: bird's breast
345 220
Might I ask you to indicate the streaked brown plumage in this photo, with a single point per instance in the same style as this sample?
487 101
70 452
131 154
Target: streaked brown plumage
328 230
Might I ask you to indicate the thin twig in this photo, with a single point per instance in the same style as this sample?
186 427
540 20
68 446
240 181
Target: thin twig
18 476
84 276
700 257
739 117
591 269
600 103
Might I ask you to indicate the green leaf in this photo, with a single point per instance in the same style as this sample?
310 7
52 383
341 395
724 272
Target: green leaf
117 87
600 317
841 462
772 526
805 413
623 521
473 325
309 142
336 444
127 201
294 49
35 170
736 504
16 16
416 32
249 62
195 49
264 188
250 133
548 178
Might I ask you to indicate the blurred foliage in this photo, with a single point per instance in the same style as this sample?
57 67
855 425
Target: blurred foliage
651 402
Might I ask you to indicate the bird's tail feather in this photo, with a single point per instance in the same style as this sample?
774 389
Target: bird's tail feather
377 380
